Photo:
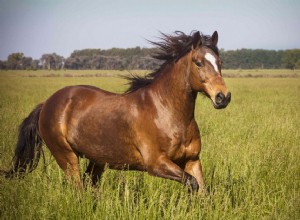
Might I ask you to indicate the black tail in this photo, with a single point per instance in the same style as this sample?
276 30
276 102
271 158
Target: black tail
29 146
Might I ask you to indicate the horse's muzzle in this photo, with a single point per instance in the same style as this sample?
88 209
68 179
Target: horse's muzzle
221 101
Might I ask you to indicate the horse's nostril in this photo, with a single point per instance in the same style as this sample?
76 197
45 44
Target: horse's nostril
220 97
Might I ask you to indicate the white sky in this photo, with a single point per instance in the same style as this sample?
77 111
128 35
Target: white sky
35 27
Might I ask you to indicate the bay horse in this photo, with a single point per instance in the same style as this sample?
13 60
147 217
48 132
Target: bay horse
150 127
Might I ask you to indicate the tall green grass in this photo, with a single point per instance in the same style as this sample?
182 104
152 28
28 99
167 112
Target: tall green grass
250 157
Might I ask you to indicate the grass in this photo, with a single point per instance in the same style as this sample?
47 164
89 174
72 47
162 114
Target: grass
237 73
266 73
250 159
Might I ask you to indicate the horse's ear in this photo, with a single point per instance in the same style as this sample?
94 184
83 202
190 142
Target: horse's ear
196 40
214 38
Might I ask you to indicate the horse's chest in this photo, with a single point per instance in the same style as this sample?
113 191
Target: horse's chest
177 147
182 147
177 152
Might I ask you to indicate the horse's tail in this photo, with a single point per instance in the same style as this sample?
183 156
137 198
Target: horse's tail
29 146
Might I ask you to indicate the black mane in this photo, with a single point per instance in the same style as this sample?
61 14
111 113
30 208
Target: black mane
171 49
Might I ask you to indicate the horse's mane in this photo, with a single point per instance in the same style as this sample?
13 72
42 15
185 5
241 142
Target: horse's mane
171 49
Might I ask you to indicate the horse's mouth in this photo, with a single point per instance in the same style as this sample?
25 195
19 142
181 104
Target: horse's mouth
221 106
221 101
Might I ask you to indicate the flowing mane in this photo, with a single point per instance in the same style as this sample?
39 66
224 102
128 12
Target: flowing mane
170 50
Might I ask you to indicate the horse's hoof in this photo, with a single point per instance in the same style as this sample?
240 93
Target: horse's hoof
191 182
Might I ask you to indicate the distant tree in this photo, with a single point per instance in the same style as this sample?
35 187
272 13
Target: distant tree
140 58
250 59
291 58
35 64
86 52
3 65
297 64
52 61
26 63
14 61
115 58
73 63
17 61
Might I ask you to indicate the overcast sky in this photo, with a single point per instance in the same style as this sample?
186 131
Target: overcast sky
35 27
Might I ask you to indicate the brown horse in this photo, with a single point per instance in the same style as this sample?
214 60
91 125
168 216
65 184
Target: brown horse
151 127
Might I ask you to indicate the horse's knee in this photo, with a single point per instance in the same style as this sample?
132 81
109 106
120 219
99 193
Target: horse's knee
163 166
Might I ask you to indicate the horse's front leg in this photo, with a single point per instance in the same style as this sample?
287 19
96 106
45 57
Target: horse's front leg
193 165
163 167
194 168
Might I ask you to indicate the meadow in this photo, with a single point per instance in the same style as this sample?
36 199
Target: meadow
250 155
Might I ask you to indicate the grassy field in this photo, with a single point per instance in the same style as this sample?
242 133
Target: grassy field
250 156
238 73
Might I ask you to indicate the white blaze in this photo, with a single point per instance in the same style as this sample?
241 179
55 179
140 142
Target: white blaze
209 57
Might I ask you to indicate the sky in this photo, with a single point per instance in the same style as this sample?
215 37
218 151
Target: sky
36 27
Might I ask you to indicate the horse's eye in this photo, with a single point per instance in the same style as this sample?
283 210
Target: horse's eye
198 63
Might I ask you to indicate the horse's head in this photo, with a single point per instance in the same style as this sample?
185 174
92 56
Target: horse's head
206 74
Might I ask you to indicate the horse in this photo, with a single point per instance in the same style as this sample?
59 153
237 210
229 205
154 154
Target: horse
150 127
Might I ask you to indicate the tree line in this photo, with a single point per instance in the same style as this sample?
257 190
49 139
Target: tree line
140 58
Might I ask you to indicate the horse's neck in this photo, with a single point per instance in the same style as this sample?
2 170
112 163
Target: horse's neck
174 92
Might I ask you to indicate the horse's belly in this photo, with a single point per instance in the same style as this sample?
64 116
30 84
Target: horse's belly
111 149
116 157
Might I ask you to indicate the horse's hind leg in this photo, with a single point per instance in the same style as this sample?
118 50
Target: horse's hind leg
67 159
94 171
